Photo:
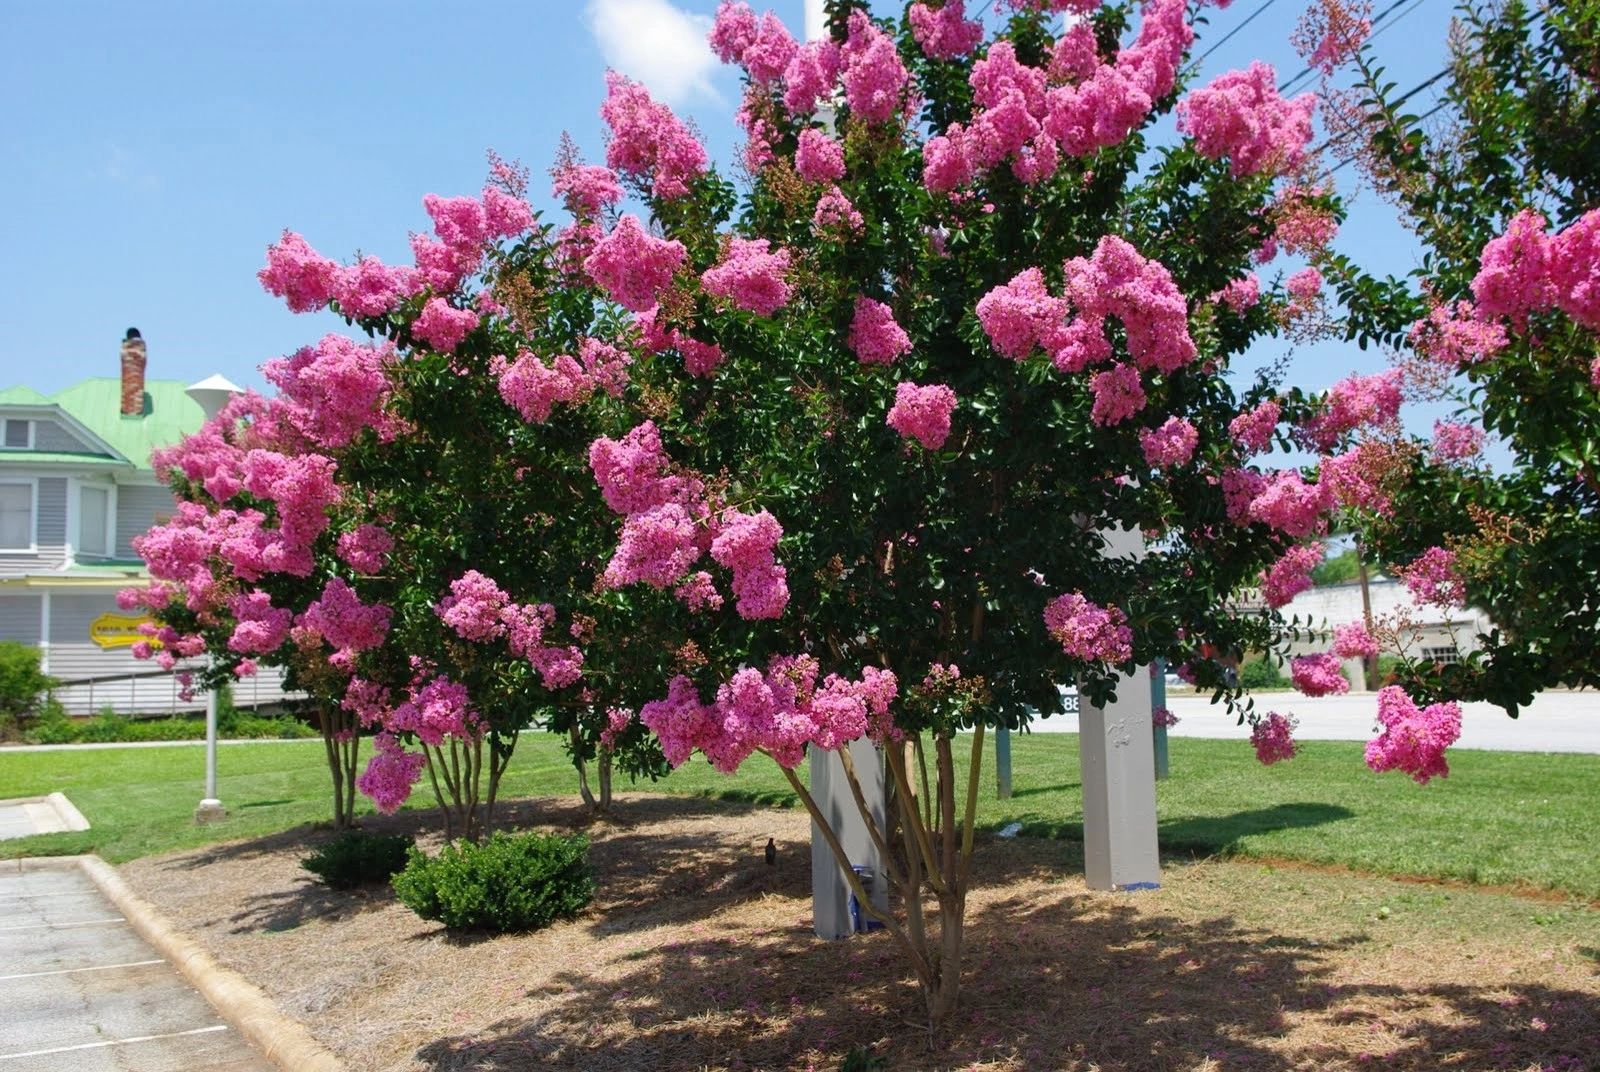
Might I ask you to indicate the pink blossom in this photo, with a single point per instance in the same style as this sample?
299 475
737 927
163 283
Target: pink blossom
1331 32
874 336
1239 489
874 79
390 774
657 547
1455 336
1319 674
733 30
1432 578
1169 445
633 472
1304 285
533 388
442 326
811 76
947 160
835 215
1413 739
698 592
472 609
750 276
1088 631
1358 478
346 623
370 288
1514 276
648 140
1273 738
1241 116
1575 269
1118 395
1456 442
1354 403
295 272
1290 574
335 390
1290 505
259 627
1075 55
819 158
586 189
1163 717
922 412
367 700
365 548
680 721
1240 294
746 546
1021 314
1300 224
618 719
944 32
1352 641
434 710
633 266
1117 281
1254 428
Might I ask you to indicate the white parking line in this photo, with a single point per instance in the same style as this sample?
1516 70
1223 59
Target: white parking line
4 898
69 971
113 1042
53 926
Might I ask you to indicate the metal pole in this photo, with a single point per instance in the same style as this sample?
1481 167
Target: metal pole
1158 698
1002 762
210 808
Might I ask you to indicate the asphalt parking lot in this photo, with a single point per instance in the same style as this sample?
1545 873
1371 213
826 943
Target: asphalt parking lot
80 990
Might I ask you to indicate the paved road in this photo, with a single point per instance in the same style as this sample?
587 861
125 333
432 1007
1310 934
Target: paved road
81 991
1555 722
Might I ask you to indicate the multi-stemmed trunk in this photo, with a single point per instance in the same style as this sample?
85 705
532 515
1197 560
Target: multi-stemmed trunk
466 791
936 861
599 803
341 743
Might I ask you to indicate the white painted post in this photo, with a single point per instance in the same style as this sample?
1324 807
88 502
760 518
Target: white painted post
830 788
1117 762
210 808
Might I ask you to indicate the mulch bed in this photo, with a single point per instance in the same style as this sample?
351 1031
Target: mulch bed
697 955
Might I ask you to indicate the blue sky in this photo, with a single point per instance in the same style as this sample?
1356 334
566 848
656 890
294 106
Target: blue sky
156 149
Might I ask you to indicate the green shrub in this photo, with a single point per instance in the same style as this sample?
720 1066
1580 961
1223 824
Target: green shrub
269 726
52 726
509 883
1261 674
105 727
23 686
353 859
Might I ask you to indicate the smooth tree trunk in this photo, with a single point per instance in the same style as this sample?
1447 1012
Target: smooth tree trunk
341 744
465 787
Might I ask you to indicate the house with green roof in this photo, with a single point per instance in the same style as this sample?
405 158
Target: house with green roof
76 488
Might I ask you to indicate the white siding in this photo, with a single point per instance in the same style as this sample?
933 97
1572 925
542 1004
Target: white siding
19 618
139 507
53 438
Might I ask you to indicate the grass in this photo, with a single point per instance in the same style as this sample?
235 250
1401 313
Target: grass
1501 818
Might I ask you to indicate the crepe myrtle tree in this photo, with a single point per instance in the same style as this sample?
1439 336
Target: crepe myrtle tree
960 319
457 444
1501 319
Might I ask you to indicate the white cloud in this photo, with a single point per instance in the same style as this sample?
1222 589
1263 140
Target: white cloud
657 43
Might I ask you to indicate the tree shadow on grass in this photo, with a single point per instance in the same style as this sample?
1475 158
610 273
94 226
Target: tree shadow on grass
1055 979
1201 835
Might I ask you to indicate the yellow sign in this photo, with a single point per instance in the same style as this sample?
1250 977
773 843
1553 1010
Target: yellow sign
120 630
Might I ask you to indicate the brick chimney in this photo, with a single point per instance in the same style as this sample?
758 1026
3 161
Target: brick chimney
133 362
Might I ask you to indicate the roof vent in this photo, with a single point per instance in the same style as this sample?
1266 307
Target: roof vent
213 393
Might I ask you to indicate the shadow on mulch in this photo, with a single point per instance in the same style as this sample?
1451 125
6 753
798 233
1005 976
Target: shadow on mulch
1055 979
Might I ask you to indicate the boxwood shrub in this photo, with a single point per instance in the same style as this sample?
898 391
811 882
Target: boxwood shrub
354 858
511 882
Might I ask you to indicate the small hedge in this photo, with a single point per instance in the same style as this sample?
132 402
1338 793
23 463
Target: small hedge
353 859
509 883
54 726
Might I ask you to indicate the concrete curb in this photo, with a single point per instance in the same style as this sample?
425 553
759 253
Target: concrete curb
282 1040
71 817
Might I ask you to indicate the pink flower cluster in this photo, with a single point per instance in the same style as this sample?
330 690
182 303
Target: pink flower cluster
835 215
875 80
779 712
1525 271
618 719
811 76
259 627
1241 116
819 158
435 709
1413 739
479 610
347 624
1117 281
1352 641
1357 478
1355 403
1300 224
1088 631
1118 395
1171 444
365 548
1290 505
1240 294
1456 442
334 390
648 140
443 326
751 276
762 46
1332 31
1456 337
1290 574
944 32
922 412
390 774
746 546
634 266
699 358
586 189
874 336
1273 738
1432 578
533 388
1319 675
1163 717
1253 429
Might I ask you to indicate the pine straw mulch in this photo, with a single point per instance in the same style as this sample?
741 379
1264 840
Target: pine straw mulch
696 955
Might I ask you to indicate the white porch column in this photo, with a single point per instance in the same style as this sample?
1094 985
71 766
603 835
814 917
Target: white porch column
44 631
1117 762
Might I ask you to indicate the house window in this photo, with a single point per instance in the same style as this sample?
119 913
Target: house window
16 517
94 509
19 435
1447 654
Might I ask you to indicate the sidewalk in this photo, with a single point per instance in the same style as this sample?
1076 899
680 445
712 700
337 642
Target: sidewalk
82 991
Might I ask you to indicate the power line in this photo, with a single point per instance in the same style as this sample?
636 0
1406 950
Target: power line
1352 156
1225 37
1407 95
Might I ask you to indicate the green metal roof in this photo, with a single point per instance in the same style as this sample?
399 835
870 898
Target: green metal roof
169 415
50 457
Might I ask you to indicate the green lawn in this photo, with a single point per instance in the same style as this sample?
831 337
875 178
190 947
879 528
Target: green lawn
1500 817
